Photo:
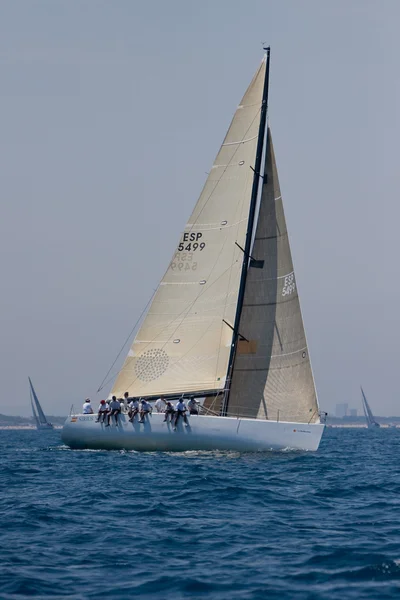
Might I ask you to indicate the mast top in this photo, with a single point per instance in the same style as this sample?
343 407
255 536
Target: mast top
267 50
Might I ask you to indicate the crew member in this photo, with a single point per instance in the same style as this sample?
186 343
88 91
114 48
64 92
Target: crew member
193 406
145 409
169 410
160 405
127 400
87 407
133 409
115 409
102 411
180 412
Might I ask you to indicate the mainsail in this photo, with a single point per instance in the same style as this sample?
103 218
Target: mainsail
371 422
184 343
272 376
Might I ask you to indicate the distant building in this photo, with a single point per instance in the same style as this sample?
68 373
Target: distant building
341 410
352 412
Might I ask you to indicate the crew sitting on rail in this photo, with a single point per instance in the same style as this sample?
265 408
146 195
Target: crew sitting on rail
145 409
133 409
193 406
102 411
169 410
87 407
127 400
180 412
160 404
115 409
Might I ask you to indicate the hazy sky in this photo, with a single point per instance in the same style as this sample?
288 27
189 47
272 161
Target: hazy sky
111 114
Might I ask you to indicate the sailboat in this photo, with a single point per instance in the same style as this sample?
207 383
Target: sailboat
371 421
225 324
37 411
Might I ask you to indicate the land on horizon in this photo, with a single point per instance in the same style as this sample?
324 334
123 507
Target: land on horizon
17 421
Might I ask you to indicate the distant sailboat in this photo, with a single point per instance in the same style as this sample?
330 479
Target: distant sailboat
371 422
38 414
225 323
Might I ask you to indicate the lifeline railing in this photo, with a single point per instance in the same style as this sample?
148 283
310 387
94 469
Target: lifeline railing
239 413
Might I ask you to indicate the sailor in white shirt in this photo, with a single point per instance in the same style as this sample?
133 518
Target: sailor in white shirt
102 411
87 407
145 409
133 409
160 405
181 409
126 401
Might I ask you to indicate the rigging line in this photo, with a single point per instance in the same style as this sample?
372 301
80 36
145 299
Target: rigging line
126 341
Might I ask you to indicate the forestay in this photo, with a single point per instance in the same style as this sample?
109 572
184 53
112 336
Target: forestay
183 344
272 375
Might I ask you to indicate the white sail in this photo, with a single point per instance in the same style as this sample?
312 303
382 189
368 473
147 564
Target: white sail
272 375
37 411
371 421
183 344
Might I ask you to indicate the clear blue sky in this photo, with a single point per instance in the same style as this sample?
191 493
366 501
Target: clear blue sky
112 112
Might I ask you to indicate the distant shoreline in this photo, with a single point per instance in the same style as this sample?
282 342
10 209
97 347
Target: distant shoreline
27 427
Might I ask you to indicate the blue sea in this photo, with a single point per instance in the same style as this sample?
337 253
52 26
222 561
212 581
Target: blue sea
88 524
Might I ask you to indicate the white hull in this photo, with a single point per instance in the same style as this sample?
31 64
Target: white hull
203 433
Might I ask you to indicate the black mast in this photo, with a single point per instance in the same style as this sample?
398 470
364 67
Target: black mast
250 225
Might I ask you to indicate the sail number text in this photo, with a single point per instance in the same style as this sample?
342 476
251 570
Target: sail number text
183 261
191 242
289 285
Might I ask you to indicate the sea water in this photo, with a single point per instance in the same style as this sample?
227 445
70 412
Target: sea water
223 525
